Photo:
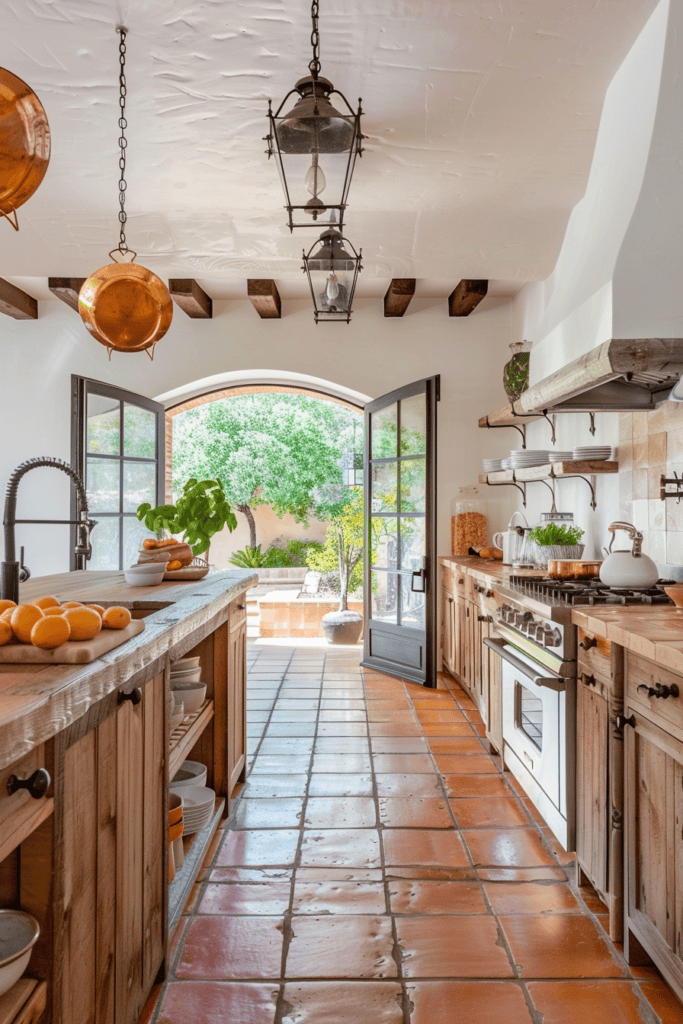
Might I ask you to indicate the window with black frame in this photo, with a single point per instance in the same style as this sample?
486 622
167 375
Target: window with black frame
118 448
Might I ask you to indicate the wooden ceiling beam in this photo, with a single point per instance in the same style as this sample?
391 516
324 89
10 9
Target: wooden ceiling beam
15 303
191 298
466 297
67 289
265 298
398 296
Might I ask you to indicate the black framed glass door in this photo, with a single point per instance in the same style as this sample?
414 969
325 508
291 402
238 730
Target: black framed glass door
117 445
400 532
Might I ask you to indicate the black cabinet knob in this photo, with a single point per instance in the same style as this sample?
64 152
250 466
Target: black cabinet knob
588 642
36 784
134 696
588 680
620 722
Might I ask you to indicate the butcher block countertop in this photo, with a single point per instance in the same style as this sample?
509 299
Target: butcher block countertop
39 701
654 632
486 568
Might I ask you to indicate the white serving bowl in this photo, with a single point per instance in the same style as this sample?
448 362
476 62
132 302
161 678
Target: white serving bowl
194 698
148 575
18 934
190 675
179 685
190 773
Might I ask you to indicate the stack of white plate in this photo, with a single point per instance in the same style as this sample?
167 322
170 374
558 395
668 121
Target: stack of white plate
198 804
599 453
523 458
507 464
561 456
492 465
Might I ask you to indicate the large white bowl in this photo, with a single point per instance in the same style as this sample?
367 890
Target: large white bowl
194 698
190 773
148 575
18 934
183 664
190 675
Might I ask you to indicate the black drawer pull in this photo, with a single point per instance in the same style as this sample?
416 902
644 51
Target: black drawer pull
36 784
134 696
620 722
660 690
588 642
588 680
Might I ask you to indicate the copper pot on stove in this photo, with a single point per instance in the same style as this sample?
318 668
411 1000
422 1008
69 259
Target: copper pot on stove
574 569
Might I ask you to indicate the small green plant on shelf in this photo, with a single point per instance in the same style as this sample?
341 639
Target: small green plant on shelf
552 535
201 511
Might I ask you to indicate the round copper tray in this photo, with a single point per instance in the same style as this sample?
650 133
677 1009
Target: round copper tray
125 307
25 149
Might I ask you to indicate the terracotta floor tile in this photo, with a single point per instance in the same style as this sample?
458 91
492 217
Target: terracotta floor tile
663 1001
443 701
281 729
424 847
468 1002
239 874
354 848
441 717
399 745
294 717
340 812
414 812
348 1002
340 946
447 729
596 1002
339 897
540 874
489 812
515 848
341 763
213 1002
232 947
299 746
343 704
452 947
531 898
327 874
465 764
455 745
342 716
388 715
421 896
265 846
259 898
273 764
472 786
340 785
432 874
394 729
399 763
558 849
413 785
279 812
342 745
342 729
560 946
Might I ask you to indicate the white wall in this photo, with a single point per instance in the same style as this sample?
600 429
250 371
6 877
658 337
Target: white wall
371 355
269 529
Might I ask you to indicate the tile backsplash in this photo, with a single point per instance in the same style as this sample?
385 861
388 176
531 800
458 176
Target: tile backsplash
651 444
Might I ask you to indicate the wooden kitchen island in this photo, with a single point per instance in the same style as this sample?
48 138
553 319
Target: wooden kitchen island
89 858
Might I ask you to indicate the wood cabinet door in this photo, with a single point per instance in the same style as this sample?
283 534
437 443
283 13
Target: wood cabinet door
494 721
654 816
460 636
447 603
237 688
592 784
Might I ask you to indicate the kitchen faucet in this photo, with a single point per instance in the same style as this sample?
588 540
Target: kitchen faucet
12 572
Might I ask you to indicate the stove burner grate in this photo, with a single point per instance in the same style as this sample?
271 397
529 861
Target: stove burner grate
589 592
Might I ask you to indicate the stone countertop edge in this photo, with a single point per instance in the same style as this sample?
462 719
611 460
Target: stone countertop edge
39 701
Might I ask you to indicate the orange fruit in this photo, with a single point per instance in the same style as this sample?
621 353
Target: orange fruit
50 632
7 615
5 604
24 618
6 634
53 611
175 564
96 608
149 543
116 618
84 622
46 602
72 604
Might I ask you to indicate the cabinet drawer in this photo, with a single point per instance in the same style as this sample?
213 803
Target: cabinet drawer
471 588
593 681
642 675
595 656
20 813
238 611
446 577
459 584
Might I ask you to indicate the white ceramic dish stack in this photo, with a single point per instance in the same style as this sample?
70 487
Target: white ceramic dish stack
198 805
523 458
561 456
493 465
190 773
187 685
597 453
19 932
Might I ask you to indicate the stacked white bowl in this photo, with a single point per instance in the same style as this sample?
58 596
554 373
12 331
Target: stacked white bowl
198 805
187 685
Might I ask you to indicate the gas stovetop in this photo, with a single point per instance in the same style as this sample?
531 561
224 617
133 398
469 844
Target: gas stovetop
568 592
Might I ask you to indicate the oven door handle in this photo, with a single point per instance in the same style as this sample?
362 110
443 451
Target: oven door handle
501 648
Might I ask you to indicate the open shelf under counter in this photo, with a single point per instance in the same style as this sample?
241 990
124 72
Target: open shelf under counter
24 1003
184 737
196 847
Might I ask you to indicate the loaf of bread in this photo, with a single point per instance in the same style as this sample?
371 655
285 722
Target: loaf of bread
169 552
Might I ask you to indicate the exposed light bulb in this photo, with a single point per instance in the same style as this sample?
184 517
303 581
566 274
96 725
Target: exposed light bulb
315 181
332 287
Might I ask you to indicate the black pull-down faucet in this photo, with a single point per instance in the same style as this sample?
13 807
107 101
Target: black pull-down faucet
11 572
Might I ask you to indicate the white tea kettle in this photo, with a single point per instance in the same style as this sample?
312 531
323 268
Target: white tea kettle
510 541
627 569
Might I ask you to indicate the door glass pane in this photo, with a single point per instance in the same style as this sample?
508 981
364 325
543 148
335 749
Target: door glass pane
413 484
139 432
133 535
414 425
384 429
530 715
103 484
384 586
105 544
384 542
412 543
384 484
139 484
412 605
102 426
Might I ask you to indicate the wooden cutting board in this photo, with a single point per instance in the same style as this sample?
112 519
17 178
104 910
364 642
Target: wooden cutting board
73 652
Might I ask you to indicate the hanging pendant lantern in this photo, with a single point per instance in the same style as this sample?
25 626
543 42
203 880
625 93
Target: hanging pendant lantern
124 306
315 146
24 144
332 274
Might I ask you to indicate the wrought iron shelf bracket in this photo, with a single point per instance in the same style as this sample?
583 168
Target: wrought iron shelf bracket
551 421
676 482
521 484
589 483
508 426
521 487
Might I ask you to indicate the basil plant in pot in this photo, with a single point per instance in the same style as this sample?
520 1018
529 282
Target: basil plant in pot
201 511
555 541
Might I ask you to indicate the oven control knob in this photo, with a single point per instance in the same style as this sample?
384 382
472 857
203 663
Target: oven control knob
538 632
553 638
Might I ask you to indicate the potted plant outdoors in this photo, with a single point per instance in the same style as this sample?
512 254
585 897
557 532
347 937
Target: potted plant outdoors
344 543
555 541
201 511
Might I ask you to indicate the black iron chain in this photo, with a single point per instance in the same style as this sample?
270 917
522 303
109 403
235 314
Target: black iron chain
123 142
314 66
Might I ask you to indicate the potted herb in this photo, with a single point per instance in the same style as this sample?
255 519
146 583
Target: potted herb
200 511
557 541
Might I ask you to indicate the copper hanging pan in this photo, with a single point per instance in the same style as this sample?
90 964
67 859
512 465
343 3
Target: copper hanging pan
24 144
125 307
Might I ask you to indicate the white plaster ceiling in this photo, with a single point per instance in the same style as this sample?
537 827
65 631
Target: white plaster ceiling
480 121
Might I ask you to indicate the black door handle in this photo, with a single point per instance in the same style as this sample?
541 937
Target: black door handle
134 696
659 690
421 576
36 784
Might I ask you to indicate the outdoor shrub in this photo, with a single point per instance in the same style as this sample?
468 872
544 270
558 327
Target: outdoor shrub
277 558
300 550
249 558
